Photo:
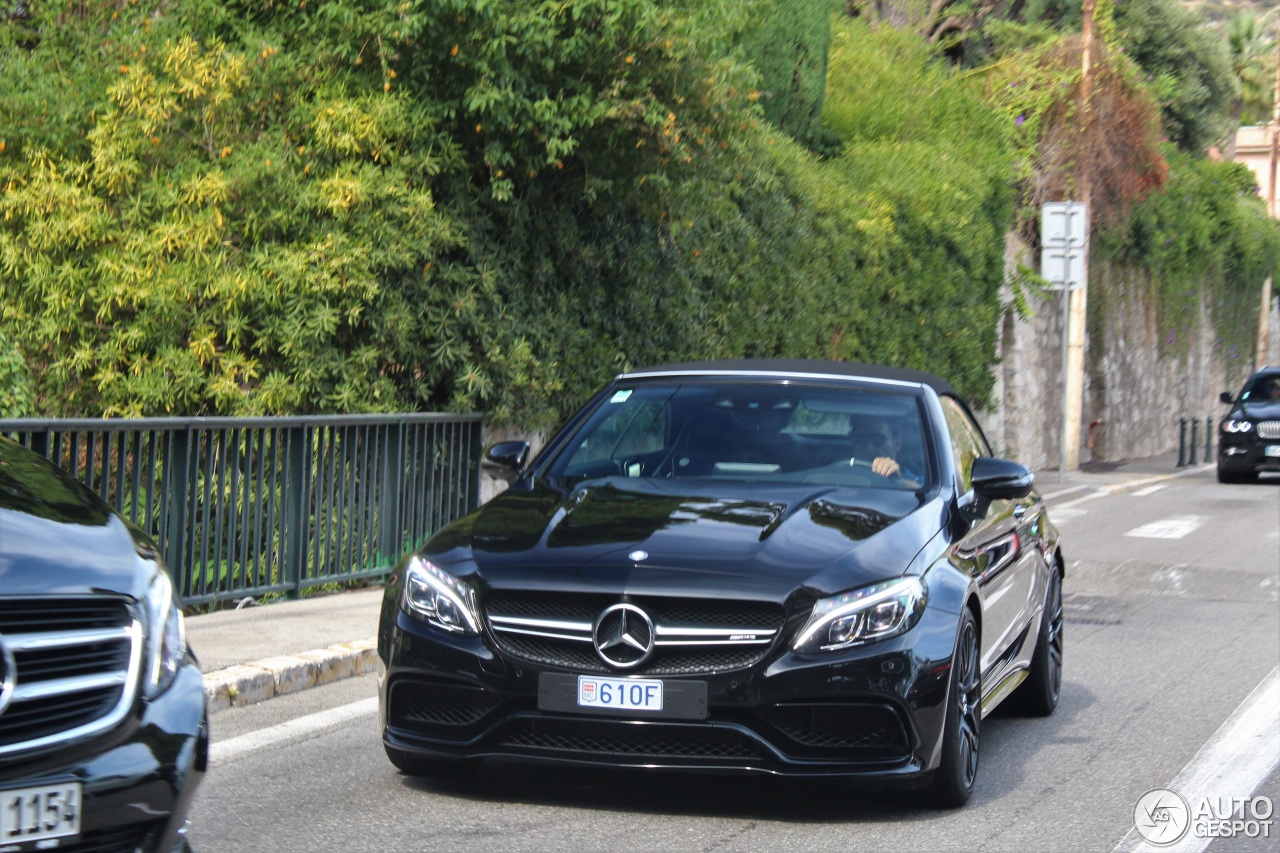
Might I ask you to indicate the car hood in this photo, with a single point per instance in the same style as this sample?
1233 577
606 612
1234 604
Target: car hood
57 537
693 537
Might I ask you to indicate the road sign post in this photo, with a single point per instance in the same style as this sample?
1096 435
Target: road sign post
1064 262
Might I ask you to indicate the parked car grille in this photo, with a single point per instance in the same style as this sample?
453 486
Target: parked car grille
68 668
692 636
1269 429
125 839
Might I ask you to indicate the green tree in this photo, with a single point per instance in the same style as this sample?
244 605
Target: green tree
1187 67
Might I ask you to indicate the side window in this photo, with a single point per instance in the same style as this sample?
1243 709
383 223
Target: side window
967 442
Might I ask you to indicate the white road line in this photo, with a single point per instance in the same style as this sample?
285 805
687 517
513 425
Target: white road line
1233 763
1168 528
296 729
1141 493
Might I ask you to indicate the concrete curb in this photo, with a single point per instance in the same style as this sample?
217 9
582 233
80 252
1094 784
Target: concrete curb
256 681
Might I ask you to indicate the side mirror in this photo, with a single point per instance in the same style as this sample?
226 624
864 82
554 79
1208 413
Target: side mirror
505 460
1226 397
1000 479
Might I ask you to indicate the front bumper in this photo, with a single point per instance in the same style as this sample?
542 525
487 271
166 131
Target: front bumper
873 713
1239 454
137 780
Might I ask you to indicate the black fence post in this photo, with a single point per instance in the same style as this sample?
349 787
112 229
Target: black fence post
1195 439
1182 442
390 495
174 483
1208 439
296 522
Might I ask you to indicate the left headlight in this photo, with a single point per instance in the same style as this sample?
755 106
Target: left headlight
166 635
862 616
439 598
1236 425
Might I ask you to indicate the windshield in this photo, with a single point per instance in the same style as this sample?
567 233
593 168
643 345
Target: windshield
1262 388
752 431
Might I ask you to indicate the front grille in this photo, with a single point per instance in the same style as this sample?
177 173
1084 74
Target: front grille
692 636
1269 429
851 729
436 708
125 839
69 668
623 740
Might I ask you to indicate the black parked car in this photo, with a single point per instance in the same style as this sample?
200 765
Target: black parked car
1249 436
103 733
795 568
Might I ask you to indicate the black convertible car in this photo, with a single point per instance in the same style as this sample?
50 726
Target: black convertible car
796 568
103 728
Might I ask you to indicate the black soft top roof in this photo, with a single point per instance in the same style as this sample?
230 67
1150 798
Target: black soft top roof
802 366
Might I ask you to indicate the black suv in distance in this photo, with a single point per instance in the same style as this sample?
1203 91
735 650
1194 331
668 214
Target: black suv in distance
103 727
1249 436
789 568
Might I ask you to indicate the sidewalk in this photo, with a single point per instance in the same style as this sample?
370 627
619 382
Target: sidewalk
257 652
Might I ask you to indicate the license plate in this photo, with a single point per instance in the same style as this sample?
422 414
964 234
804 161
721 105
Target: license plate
39 813
605 696
1272 450
630 694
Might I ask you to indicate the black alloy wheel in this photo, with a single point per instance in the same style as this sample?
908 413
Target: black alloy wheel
953 781
1037 696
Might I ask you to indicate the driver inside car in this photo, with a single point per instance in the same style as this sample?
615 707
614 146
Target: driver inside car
876 440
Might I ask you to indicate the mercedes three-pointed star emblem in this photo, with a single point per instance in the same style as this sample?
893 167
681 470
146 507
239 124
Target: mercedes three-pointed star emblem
623 636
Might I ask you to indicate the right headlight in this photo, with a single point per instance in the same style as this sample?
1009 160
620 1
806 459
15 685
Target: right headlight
864 615
438 598
1234 425
166 634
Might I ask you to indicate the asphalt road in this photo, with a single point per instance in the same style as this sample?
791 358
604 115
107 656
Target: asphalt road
1172 624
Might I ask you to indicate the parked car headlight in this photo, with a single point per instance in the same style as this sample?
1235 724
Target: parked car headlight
863 615
439 598
1233 425
166 635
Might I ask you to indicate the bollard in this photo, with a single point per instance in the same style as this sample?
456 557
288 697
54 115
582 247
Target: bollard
1208 438
1182 442
1195 439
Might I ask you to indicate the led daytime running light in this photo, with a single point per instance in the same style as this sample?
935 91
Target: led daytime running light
431 593
861 605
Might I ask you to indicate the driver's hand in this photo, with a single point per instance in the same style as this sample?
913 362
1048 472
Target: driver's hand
885 467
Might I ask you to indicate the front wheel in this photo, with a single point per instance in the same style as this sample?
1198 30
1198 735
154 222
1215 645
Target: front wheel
953 781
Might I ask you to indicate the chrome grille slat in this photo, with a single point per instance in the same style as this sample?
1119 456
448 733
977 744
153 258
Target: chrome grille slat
1269 429
691 636
63 683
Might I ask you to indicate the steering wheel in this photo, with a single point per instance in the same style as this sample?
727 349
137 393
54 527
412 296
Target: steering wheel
864 465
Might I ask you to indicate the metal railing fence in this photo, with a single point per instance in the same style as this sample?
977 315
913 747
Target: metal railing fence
249 506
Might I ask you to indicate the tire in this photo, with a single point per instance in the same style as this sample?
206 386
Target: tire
953 781
1037 696
1237 476
412 764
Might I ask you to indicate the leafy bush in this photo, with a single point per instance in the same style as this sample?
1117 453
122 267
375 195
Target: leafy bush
1207 233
